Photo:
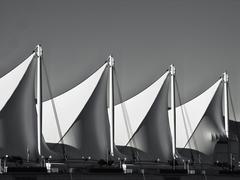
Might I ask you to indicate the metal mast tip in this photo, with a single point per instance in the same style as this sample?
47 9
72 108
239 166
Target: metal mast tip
111 60
39 50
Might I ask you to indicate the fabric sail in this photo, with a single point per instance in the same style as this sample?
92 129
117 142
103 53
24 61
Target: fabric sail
60 112
200 121
18 116
153 136
130 113
90 132
211 127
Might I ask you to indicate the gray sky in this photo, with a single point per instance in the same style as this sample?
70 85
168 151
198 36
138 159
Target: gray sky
200 37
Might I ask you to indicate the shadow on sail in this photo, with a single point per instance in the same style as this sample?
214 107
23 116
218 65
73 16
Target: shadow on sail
153 136
89 134
18 119
209 130
56 112
18 115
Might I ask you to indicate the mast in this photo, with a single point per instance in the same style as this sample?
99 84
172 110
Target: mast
173 112
111 103
226 110
39 53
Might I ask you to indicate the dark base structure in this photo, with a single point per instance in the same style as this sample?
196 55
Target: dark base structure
89 170
115 176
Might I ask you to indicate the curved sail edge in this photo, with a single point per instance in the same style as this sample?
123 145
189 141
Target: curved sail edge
136 109
68 106
90 132
20 139
211 127
10 81
153 136
190 114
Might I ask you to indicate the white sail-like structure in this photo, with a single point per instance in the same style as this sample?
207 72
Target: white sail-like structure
10 81
188 117
17 107
135 109
67 107
200 121
190 114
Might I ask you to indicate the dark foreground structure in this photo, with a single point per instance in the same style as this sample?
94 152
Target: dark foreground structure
116 176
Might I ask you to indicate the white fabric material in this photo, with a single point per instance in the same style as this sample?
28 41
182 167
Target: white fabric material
10 81
136 108
68 107
192 112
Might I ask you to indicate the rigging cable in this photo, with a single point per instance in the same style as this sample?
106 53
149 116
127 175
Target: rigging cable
124 109
125 112
127 122
184 120
54 109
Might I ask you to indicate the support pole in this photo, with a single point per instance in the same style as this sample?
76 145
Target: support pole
111 103
173 112
226 110
39 53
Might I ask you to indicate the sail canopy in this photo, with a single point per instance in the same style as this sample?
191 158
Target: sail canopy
90 132
153 136
18 116
134 110
199 122
10 81
66 107
148 128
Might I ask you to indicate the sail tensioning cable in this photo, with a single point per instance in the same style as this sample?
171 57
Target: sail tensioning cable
124 109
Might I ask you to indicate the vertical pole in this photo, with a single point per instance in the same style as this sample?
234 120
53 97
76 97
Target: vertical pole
111 103
226 110
39 53
173 112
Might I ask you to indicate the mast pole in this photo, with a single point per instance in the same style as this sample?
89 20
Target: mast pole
173 112
39 53
111 103
226 110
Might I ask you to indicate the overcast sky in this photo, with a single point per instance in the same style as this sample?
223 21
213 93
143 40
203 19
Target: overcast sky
200 37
